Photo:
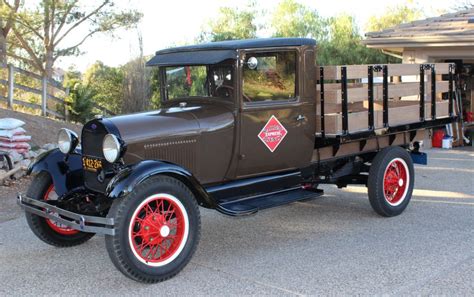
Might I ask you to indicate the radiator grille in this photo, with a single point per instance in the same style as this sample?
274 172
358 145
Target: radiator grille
92 138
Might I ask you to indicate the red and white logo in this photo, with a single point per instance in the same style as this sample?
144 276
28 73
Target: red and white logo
272 133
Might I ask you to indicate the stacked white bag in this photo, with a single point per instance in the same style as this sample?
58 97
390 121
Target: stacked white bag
13 138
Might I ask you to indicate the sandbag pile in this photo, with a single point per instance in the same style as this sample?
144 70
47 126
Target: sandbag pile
13 139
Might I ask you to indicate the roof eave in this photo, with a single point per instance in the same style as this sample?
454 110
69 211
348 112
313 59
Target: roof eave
437 41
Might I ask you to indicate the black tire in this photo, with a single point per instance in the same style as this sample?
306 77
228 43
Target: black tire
39 225
393 200
132 217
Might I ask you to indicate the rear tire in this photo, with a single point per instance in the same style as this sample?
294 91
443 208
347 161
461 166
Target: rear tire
157 230
391 181
45 229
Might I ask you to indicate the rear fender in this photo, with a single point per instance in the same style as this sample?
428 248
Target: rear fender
65 173
130 177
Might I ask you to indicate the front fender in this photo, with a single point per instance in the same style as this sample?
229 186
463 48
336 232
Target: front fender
66 174
130 177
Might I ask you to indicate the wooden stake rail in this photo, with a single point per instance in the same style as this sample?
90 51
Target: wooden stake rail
358 98
360 71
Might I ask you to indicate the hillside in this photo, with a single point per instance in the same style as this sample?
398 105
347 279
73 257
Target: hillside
42 130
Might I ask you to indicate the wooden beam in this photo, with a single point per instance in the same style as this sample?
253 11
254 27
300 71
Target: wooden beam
360 71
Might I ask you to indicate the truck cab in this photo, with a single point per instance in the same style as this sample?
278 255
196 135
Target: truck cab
267 88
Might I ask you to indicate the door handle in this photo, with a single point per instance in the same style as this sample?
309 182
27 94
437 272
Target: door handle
300 118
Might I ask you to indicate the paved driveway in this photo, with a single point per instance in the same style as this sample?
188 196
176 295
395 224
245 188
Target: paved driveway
331 245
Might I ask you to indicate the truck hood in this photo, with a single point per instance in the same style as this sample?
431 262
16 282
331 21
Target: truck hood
172 122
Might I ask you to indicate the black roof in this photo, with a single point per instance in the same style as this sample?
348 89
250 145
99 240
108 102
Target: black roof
241 44
215 52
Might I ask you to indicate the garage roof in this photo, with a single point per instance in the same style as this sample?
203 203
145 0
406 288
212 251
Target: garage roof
453 28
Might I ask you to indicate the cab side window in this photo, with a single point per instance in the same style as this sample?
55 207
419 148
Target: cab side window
269 76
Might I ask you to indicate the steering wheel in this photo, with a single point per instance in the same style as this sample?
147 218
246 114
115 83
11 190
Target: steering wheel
226 91
230 92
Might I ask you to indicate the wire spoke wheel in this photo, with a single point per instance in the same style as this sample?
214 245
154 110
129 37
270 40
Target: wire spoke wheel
57 227
48 230
391 181
396 180
158 229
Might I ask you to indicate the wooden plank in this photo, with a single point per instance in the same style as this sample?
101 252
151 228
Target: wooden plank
28 73
60 116
358 121
27 104
359 94
400 112
11 172
360 71
28 89
410 113
56 99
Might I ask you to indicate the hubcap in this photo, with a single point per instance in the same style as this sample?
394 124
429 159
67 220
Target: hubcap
396 179
158 230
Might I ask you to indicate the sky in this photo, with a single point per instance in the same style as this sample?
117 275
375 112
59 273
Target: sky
167 23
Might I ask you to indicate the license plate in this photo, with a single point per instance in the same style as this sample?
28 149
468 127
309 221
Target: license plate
91 164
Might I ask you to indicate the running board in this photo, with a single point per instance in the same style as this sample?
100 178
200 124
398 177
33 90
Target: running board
251 205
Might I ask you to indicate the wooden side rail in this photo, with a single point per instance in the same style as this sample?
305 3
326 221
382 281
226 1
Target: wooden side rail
359 98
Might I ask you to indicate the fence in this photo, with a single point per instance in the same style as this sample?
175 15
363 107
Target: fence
48 91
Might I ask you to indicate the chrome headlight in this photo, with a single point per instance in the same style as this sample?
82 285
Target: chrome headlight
111 148
67 141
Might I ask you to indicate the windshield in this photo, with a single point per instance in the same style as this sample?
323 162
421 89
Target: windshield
199 81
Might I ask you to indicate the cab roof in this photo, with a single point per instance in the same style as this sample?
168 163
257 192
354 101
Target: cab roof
215 52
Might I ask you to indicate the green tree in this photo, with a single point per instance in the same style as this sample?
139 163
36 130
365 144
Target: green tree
343 45
60 27
107 85
231 23
394 16
81 100
292 19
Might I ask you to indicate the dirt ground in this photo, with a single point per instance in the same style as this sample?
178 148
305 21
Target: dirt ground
43 130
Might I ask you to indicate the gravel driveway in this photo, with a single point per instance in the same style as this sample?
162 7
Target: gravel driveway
331 245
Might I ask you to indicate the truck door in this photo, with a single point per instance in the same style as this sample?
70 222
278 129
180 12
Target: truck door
276 123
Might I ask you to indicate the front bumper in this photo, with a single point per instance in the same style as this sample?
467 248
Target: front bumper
83 223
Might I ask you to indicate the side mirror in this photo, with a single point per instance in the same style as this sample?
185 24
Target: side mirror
252 63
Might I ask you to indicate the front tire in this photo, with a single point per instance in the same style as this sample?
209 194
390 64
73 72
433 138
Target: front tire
157 230
391 181
47 230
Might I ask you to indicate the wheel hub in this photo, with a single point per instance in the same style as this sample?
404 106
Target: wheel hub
164 231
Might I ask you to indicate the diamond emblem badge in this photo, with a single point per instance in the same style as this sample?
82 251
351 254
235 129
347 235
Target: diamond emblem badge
272 133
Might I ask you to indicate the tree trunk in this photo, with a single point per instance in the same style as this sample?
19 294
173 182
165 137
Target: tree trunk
3 49
48 64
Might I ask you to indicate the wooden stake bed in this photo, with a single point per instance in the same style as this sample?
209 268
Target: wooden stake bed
401 86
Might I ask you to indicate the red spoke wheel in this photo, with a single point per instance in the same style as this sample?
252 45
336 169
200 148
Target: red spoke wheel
57 227
157 229
396 180
48 230
391 180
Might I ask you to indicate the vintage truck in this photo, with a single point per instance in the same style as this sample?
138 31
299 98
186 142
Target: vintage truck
243 126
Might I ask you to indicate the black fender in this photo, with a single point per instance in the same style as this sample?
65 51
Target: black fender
131 176
66 173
